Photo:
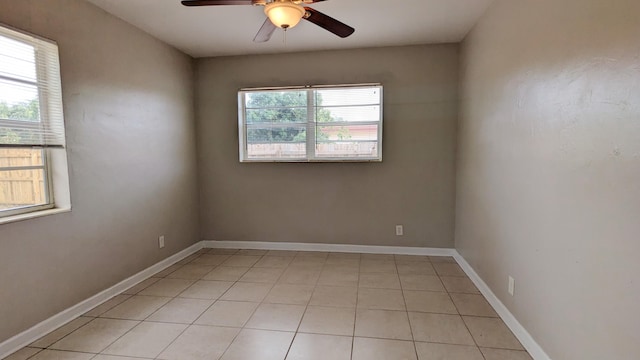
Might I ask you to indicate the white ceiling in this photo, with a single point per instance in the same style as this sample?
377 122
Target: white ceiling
229 30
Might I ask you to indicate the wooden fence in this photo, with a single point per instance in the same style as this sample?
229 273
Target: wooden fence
21 187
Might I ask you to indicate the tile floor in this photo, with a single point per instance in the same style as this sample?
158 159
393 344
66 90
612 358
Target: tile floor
264 305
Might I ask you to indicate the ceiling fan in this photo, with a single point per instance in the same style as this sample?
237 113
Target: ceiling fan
283 14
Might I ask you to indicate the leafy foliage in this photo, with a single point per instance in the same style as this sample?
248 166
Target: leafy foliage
24 111
287 107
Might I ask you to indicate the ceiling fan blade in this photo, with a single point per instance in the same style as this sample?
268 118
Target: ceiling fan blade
311 1
215 2
265 32
328 23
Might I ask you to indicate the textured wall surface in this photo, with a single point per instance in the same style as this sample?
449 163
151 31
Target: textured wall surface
549 170
346 203
128 104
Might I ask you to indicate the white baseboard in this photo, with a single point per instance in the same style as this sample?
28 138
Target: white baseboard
365 249
534 349
32 334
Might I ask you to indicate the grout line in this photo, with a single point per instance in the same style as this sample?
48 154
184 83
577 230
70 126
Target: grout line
415 348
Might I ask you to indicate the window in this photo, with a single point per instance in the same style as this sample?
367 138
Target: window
31 123
319 123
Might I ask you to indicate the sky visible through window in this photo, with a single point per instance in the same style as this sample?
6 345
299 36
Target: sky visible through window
17 61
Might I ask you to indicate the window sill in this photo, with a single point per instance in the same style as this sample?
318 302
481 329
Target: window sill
33 215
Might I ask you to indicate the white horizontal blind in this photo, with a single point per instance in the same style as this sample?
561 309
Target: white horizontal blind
30 92
315 123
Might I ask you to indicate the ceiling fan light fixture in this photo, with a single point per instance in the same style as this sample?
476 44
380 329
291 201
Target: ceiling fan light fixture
284 14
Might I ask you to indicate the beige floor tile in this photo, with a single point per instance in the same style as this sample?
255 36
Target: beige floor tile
308 261
113 357
382 299
252 252
378 266
313 254
183 311
472 304
289 294
439 259
61 355
210 259
23 354
336 296
228 313
300 275
385 257
137 307
241 260
242 291
188 259
95 336
259 344
59 333
281 253
167 271
167 287
320 347
107 305
459 285
382 349
226 273
440 328
501 354
191 272
430 351
278 262
411 258
276 317
379 281
429 301
415 268
222 251
200 343
383 324
421 282
449 269
206 289
328 320
353 263
262 275
492 333
141 286
339 277
343 255
148 339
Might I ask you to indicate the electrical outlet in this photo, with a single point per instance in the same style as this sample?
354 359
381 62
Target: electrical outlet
161 241
512 285
399 230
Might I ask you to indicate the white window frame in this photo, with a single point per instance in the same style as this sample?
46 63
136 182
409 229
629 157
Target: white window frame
54 158
311 125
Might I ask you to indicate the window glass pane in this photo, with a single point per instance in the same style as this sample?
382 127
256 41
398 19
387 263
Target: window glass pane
20 157
276 115
347 149
18 101
349 132
351 113
17 59
267 135
276 151
348 96
20 188
276 106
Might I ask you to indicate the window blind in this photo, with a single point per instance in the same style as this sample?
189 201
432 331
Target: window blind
30 92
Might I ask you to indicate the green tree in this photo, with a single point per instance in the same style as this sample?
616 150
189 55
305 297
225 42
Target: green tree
282 107
23 111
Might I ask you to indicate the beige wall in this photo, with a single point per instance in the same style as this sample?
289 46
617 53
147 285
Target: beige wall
130 134
549 170
347 203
